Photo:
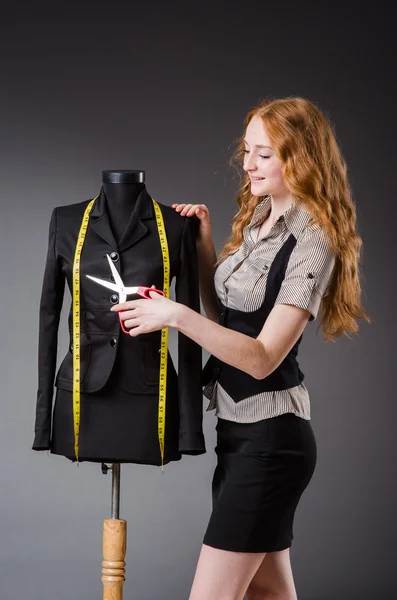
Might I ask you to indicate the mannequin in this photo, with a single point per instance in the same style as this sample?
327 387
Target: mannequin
119 377
122 189
119 374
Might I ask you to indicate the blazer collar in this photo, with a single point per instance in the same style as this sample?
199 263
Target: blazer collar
136 227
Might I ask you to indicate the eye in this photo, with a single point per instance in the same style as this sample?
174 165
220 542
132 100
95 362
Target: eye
264 156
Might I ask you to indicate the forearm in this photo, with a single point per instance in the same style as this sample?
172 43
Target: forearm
206 256
232 347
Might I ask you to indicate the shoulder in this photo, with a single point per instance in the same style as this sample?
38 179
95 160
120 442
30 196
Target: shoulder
67 214
71 210
170 214
313 233
314 241
313 257
178 223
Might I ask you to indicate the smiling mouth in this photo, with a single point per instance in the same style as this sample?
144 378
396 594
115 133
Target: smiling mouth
257 178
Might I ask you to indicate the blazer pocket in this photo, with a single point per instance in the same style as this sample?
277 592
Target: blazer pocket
151 364
65 372
138 365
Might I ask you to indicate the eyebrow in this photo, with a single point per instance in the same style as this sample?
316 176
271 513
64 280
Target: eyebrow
259 145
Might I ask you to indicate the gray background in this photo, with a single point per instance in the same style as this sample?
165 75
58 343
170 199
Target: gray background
165 88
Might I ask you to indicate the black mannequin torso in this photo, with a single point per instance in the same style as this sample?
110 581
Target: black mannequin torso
122 188
119 374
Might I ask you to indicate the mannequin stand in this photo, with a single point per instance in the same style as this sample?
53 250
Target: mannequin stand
114 543
122 188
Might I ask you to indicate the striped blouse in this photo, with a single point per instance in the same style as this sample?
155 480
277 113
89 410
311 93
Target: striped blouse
240 283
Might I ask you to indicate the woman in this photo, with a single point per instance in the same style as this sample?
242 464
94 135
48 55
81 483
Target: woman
293 248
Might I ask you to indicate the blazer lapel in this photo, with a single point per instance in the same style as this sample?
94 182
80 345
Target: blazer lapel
99 220
136 227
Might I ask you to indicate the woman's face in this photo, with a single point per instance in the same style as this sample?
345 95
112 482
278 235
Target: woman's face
261 162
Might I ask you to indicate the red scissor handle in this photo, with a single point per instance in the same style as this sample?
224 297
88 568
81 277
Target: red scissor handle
144 292
122 324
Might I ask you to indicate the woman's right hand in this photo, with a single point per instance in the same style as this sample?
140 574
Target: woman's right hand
201 211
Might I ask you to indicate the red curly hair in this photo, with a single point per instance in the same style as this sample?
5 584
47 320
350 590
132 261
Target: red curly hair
315 173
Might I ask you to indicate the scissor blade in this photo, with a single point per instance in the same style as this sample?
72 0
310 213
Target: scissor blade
107 284
115 272
130 290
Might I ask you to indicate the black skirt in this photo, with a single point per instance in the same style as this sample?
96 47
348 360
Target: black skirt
262 470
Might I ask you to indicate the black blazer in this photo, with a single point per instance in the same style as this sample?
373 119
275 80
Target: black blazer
104 346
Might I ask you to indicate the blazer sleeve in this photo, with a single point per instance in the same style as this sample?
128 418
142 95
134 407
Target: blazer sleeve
187 291
50 310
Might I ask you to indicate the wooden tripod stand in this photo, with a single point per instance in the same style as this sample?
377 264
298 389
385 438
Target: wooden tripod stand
114 542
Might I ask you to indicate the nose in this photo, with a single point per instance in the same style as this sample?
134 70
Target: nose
249 162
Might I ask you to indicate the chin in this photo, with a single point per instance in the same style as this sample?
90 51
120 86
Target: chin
258 191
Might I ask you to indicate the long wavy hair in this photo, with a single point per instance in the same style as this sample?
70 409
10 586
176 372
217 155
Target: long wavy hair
315 173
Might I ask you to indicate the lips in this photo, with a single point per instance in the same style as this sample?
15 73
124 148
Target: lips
257 178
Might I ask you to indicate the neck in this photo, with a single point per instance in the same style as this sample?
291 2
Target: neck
280 203
122 196
121 200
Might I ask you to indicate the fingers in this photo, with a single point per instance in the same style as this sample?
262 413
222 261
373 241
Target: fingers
127 315
183 209
155 295
188 210
131 323
131 304
135 331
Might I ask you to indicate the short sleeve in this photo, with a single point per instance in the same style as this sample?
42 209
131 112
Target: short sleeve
308 272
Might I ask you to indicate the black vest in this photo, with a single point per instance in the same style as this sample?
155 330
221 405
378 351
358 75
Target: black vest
238 384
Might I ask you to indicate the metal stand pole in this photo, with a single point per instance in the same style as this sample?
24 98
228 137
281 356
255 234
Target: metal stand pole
115 490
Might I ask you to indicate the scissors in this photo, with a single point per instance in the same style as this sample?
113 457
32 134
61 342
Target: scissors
123 292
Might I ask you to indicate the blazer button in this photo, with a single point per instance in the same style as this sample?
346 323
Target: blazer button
113 342
114 298
310 275
114 256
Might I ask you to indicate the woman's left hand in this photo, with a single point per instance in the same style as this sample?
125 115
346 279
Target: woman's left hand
144 316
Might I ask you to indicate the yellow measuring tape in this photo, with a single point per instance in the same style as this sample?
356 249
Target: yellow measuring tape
76 326
164 332
76 329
